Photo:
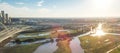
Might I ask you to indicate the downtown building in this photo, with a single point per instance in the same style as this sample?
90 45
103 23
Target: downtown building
4 18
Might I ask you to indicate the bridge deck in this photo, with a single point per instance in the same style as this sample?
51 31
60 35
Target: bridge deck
9 34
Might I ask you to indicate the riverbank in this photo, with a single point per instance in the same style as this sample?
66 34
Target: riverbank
101 44
29 48
21 49
32 38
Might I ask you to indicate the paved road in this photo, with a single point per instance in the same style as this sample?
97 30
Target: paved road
10 33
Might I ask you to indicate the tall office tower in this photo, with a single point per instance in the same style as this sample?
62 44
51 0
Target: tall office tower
7 18
2 12
0 18
3 17
0 15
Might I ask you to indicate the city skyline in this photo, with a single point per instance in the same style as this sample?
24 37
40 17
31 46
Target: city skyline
61 8
4 18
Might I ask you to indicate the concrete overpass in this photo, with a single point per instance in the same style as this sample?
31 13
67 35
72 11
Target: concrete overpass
7 34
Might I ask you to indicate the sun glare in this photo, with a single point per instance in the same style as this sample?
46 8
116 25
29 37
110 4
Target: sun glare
99 31
102 4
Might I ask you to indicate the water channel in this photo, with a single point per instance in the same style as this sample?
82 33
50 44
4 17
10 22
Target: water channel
67 46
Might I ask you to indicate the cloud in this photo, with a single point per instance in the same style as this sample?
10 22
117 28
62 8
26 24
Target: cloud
54 6
4 3
85 9
93 8
40 3
23 11
43 10
20 3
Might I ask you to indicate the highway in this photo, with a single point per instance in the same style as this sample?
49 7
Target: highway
10 33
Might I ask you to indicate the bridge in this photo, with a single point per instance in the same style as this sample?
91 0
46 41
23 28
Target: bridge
8 33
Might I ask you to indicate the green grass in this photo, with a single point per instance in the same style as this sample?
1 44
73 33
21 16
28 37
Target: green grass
98 44
22 49
116 51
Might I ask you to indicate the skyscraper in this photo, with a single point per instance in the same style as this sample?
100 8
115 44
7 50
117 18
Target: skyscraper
0 17
3 17
7 18
2 12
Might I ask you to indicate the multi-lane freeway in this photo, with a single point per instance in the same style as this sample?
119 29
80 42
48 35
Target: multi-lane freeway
9 33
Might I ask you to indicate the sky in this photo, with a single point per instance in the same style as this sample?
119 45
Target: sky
61 8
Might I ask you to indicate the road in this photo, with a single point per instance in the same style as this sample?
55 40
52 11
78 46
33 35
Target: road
10 33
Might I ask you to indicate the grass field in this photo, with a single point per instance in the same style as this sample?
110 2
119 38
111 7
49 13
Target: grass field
22 49
116 51
102 44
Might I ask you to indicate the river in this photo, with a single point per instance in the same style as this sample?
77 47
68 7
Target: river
72 46
52 47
